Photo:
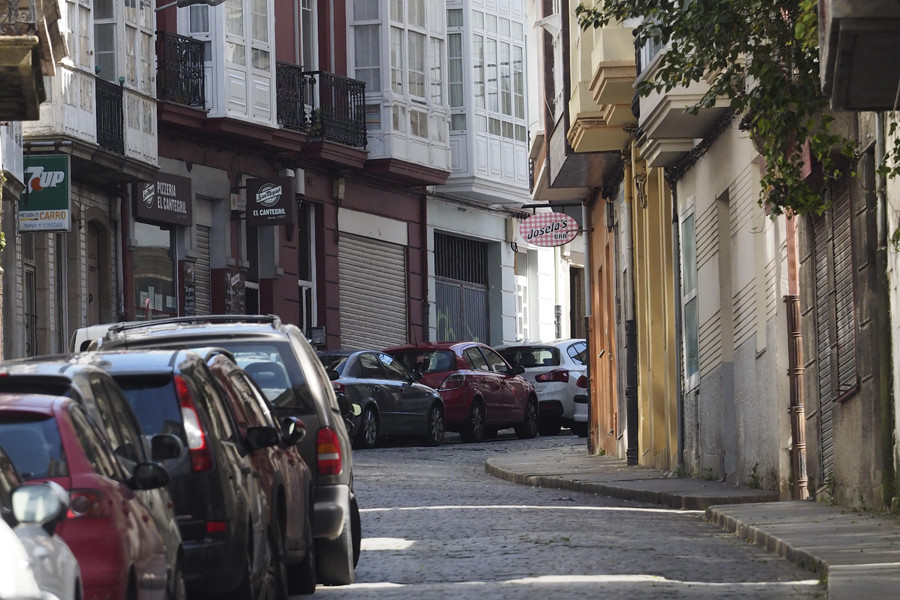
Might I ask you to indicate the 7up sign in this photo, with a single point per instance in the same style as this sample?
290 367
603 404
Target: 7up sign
44 203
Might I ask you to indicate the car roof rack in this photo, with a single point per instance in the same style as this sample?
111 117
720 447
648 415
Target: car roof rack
274 320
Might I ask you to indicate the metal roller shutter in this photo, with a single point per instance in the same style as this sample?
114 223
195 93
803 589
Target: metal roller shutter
372 277
201 272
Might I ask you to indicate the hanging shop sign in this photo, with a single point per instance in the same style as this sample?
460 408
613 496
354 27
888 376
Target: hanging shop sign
548 229
270 201
44 204
167 200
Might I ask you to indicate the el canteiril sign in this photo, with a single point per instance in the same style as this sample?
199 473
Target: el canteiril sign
45 203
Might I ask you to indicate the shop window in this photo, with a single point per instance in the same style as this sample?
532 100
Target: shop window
154 273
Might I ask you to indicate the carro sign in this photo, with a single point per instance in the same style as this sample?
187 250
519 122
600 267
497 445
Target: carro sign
548 229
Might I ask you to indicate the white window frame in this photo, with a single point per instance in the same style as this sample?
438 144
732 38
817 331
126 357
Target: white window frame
690 297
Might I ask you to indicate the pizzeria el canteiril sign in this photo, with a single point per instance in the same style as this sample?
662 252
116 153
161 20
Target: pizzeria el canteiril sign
548 229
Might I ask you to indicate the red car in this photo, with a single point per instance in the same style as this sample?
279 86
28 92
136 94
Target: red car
482 393
111 532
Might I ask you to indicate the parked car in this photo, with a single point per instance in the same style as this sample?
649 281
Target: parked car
391 402
285 477
98 393
285 366
482 393
33 511
558 371
220 506
120 550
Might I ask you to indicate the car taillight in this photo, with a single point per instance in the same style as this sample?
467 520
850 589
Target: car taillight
582 382
198 446
454 382
338 387
85 504
328 452
216 526
554 375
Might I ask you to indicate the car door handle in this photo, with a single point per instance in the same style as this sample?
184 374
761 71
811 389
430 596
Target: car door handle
376 388
245 470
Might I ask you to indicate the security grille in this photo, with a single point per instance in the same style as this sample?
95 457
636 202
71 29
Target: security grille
203 298
461 277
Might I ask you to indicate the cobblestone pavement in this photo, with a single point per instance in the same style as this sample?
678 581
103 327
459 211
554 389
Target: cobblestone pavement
435 525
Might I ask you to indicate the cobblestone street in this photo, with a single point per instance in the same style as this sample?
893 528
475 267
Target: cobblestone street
435 525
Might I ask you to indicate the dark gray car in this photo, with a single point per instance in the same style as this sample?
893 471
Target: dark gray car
391 403
283 363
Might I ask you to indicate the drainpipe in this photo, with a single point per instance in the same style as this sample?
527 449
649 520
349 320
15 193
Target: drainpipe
676 273
587 233
795 363
631 356
883 302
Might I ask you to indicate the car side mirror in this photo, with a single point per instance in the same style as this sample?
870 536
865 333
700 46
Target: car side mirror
45 503
258 438
149 476
294 430
333 375
165 446
515 370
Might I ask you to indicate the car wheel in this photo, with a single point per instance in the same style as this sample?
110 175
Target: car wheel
334 558
269 585
302 578
367 436
244 590
435 432
549 426
529 427
580 429
473 430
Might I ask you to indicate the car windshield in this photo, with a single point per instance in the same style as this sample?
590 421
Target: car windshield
531 356
35 448
427 361
334 362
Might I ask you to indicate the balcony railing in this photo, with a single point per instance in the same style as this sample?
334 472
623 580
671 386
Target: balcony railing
180 74
110 116
322 105
18 17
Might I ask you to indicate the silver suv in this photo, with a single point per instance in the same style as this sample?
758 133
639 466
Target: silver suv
286 367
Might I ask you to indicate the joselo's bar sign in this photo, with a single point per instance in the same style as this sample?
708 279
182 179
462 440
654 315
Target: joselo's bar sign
548 229
270 201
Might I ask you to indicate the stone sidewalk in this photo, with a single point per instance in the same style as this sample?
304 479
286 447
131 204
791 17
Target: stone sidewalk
857 554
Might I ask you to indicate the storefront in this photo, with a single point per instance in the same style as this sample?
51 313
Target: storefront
157 286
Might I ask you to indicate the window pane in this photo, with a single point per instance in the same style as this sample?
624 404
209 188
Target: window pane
397 60
458 122
518 81
365 10
691 338
491 76
416 52
479 74
505 85
416 10
234 17
436 79
455 66
455 17
234 53
260 21
199 19
689 254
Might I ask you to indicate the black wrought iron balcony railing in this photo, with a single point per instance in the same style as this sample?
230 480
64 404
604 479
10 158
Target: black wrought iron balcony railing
180 76
322 105
18 17
110 116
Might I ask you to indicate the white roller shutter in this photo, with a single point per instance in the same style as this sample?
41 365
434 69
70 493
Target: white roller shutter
372 276
203 298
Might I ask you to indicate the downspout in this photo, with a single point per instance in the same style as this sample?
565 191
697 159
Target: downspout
586 232
795 363
676 273
883 301
631 356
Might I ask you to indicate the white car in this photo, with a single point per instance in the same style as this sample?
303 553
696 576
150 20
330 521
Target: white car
558 370
37 564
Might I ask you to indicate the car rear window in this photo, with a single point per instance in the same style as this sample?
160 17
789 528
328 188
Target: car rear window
153 400
531 356
427 361
34 446
275 368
